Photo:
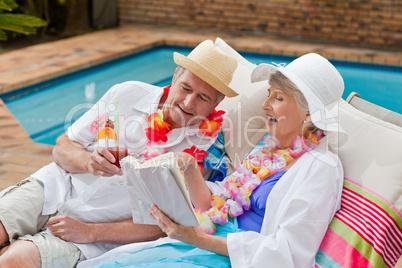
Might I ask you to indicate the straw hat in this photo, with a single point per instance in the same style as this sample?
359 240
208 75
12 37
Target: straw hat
212 66
318 80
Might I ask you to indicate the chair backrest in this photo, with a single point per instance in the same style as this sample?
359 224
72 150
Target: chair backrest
379 112
371 155
244 121
368 228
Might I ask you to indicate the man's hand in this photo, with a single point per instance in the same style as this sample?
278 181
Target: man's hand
100 163
74 158
70 229
123 232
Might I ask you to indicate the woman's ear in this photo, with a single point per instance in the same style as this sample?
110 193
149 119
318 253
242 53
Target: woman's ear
308 117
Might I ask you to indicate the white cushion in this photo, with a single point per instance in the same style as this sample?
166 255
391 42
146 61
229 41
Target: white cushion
372 154
244 124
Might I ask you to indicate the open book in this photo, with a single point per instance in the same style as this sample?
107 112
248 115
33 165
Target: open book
158 181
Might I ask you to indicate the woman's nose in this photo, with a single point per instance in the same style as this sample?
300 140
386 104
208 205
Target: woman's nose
266 104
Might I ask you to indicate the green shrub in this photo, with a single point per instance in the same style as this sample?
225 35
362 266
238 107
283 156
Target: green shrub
19 23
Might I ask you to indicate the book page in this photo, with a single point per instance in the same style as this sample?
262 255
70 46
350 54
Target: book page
158 182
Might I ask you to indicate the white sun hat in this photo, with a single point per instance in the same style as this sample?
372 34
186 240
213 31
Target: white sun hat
211 65
318 80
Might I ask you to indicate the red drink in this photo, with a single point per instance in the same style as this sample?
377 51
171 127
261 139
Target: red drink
118 153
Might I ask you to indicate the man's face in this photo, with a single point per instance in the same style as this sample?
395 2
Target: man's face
189 101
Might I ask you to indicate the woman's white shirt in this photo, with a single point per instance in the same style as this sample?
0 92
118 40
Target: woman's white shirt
299 209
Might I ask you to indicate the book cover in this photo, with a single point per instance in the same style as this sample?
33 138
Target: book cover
158 181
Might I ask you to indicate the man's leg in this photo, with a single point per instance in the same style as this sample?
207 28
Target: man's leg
20 214
20 254
53 251
21 210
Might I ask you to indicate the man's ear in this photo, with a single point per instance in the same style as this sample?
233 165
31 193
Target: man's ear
216 104
174 74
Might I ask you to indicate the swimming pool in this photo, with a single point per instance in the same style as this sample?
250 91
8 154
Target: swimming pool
47 109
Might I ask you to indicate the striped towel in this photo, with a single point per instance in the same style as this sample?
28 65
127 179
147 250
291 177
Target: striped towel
365 232
216 159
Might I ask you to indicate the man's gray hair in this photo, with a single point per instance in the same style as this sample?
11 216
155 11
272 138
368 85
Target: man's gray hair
179 71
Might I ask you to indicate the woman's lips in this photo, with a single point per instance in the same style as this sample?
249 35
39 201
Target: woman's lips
271 120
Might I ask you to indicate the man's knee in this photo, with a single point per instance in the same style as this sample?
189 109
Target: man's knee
21 254
3 235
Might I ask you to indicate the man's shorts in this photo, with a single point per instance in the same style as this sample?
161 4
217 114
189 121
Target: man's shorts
21 215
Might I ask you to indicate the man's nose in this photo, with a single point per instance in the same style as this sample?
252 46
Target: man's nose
189 101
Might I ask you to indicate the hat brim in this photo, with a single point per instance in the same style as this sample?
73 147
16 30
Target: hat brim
203 74
320 115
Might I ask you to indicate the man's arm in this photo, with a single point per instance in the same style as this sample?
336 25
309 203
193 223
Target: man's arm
74 158
123 232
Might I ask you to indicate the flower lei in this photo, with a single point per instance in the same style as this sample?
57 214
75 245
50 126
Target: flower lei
249 174
158 130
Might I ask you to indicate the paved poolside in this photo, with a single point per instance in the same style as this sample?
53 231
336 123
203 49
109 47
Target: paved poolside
20 156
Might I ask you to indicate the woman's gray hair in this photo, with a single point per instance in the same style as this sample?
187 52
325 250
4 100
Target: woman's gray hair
280 81
179 71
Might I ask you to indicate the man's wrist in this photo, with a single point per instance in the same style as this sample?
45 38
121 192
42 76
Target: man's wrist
86 155
94 232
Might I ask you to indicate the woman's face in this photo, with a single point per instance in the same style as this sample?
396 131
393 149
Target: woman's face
285 118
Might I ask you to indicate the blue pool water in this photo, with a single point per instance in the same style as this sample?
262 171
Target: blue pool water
47 110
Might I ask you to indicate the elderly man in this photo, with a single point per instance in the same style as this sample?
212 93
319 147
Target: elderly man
80 199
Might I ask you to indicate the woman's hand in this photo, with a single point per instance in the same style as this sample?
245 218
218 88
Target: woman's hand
187 234
100 163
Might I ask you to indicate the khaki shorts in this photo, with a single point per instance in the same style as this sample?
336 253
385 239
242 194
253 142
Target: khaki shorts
21 215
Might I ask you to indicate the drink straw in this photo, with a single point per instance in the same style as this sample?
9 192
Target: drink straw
117 122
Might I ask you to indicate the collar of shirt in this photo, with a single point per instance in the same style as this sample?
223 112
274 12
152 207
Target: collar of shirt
177 135
149 101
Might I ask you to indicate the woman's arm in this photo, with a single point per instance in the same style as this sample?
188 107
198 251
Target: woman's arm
189 234
199 192
74 158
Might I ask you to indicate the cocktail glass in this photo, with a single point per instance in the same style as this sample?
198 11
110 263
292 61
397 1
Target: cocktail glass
117 144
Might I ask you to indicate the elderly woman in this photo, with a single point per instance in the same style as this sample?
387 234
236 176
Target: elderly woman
276 207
